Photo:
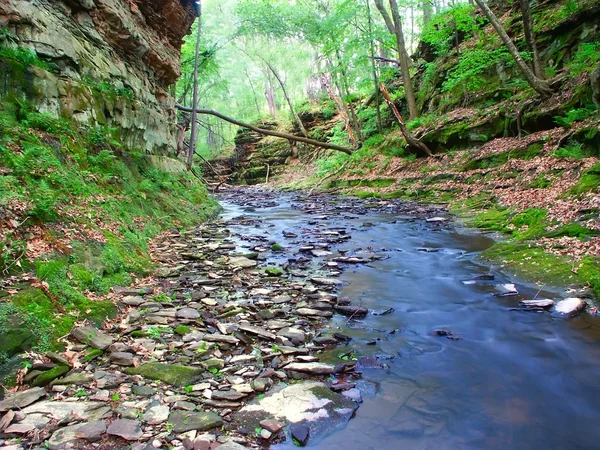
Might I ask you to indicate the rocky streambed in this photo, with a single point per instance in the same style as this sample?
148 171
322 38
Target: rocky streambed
271 326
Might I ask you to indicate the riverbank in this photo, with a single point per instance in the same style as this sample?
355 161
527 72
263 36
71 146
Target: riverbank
286 296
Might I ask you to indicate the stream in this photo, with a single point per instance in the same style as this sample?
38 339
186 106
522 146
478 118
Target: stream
462 370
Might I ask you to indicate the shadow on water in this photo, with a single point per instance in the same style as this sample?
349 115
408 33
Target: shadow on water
518 380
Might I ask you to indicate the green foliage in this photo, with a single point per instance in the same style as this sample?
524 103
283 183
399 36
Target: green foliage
574 115
530 223
471 67
441 30
574 150
589 182
585 59
11 252
108 88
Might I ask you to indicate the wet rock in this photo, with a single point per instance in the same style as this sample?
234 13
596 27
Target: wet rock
369 362
436 219
230 396
231 446
22 399
183 421
326 281
325 340
309 312
121 358
541 303
385 312
128 429
156 415
506 290
91 432
92 337
353 394
272 425
265 434
570 307
352 311
295 335
173 374
300 433
311 368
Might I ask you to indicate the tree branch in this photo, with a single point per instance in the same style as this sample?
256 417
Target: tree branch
262 131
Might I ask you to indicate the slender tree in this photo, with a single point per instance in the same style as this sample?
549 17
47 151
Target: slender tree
194 124
595 81
541 86
427 11
394 25
538 68
374 68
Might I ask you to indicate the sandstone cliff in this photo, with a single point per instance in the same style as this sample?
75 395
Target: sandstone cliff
109 62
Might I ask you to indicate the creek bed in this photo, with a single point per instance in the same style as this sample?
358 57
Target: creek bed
462 368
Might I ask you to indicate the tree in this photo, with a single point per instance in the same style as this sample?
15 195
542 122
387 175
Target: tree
530 38
427 11
194 132
595 81
394 25
541 86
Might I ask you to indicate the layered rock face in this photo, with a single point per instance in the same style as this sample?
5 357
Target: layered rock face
111 62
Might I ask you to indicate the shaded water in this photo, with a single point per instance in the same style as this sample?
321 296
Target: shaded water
517 380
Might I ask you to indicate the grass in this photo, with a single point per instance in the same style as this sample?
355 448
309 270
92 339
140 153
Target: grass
589 182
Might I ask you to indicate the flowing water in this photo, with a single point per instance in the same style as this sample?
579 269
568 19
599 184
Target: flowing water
514 379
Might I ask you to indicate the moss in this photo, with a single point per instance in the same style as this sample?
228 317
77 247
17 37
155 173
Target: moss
179 376
493 220
46 377
274 271
589 181
572 230
92 354
277 247
533 264
530 223
589 271
182 330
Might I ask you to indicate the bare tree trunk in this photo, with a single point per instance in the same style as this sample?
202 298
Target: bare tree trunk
538 68
386 17
540 86
427 11
411 140
194 132
404 62
287 98
374 69
289 137
595 81
270 95
253 92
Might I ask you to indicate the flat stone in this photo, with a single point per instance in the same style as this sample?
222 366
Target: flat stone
272 425
6 420
187 313
506 290
257 331
352 311
128 429
22 399
312 368
213 363
261 384
221 338
231 446
58 358
19 428
121 358
88 410
156 415
133 300
173 374
353 394
326 281
309 312
231 396
48 376
143 391
541 303
242 262
183 421
76 379
92 337
92 431
570 306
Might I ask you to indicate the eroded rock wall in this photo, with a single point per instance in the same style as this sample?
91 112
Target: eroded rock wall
111 62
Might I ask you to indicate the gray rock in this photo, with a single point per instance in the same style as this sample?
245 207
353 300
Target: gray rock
92 337
310 312
183 421
156 415
91 432
261 384
128 429
89 411
22 399
187 313
122 358
75 379
257 331
570 307
58 359
242 262
272 425
540 303
143 391
231 396
313 368
133 300
352 311
353 394
221 338
231 446
325 281
300 432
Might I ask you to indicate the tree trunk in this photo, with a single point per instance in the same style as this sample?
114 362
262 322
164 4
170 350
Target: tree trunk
289 137
427 11
374 69
411 140
386 17
270 95
404 62
538 69
339 101
194 132
253 93
595 81
540 86
287 99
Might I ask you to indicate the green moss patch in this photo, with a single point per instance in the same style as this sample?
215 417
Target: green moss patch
179 376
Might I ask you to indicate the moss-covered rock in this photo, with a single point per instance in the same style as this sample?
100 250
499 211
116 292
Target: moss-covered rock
47 377
179 376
